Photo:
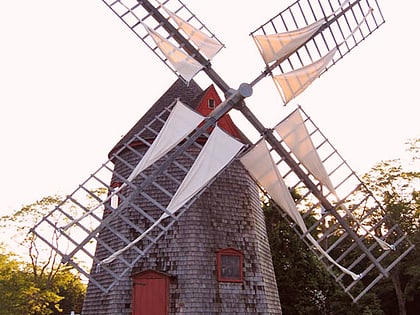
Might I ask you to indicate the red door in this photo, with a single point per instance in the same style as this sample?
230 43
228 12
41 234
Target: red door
150 293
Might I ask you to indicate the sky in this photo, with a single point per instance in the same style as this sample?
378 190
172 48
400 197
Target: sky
74 79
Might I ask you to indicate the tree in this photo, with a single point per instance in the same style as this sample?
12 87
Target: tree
49 287
305 287
399 191
12 286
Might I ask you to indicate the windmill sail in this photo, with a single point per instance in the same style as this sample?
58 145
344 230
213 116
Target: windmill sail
261 166
276 46
219 150
295 134
184 64
293 83
207 45
181 122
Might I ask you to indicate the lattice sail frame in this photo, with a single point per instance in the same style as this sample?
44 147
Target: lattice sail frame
367 214
304 12
133 14
77 243
78 239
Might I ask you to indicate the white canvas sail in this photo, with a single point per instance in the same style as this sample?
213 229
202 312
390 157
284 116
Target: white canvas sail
219 150
293 83
263 169
295 134
185 65
273 47
277 46
207 45
180 123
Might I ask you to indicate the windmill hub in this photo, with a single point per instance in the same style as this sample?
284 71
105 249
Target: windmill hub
245 90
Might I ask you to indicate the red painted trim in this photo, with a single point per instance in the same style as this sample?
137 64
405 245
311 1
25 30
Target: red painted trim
225 122
150 275
229 252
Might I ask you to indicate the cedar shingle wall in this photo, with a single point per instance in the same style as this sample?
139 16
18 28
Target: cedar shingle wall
228 214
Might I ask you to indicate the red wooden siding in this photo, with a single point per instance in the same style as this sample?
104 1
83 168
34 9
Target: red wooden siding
150 294
225 122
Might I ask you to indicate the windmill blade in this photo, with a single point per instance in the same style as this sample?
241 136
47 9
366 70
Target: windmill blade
339 26
349 219
135 14
218 152
93 227
85 242
293 83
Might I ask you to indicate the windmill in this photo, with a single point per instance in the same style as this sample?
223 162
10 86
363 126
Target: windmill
129 214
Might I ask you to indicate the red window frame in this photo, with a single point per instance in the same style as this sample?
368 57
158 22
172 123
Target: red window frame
229 265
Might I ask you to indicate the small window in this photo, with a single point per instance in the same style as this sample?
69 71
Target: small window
211 103
229 265
115 200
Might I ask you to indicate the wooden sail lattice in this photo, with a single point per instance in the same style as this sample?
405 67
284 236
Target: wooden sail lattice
89 219
134 14
362 255
304 12
365 215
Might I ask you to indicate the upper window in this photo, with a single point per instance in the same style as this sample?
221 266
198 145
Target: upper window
211 103
115 200
229 265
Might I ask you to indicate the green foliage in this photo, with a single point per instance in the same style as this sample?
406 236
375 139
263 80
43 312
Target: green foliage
22 293
37 284
12 286
306 288
399 191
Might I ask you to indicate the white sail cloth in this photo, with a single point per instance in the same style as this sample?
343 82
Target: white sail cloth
294 133
277 46
219 150
207 45
262 168
273 47
260 165
181 121
293 83
184 64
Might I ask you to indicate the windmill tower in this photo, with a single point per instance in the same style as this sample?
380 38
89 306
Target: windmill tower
186 270
163 223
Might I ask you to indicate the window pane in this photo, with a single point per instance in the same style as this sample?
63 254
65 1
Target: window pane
230 267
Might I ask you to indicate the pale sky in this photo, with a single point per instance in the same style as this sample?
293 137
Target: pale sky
74 79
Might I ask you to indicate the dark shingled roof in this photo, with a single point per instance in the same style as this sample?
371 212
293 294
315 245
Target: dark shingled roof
186 93
191 95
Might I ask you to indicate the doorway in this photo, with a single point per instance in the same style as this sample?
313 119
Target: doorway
150 293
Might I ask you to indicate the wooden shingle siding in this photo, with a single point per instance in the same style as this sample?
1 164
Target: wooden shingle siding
227 215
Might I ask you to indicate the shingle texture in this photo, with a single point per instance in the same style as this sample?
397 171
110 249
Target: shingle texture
227 215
